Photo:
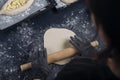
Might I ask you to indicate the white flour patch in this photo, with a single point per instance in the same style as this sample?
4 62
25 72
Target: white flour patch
24 34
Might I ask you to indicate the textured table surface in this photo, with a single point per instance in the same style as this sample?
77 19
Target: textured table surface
30 32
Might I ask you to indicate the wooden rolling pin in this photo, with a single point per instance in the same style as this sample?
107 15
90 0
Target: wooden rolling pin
57 56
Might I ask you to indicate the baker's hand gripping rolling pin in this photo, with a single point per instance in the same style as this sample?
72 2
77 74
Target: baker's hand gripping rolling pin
40 62
60 55
86 49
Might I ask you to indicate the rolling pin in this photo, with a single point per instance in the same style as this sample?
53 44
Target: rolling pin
57 56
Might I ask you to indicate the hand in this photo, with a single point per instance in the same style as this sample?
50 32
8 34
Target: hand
40 62
85 48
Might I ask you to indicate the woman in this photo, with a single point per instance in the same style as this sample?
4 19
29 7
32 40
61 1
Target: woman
105 15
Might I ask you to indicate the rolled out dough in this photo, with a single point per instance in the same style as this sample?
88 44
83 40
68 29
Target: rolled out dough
57 39
68 1
17 10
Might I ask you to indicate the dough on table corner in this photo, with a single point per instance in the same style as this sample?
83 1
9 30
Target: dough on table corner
69 1
14 7
57 39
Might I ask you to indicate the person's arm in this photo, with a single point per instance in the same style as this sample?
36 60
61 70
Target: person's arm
78 69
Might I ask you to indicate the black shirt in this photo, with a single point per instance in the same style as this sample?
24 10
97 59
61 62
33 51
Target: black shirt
85 69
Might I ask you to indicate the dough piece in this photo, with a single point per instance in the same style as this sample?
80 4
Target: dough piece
69 1
14 7
57 39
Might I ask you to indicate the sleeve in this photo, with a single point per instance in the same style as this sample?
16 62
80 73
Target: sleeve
89 52
77 69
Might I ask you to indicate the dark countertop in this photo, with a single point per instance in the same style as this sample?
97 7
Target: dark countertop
27 34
